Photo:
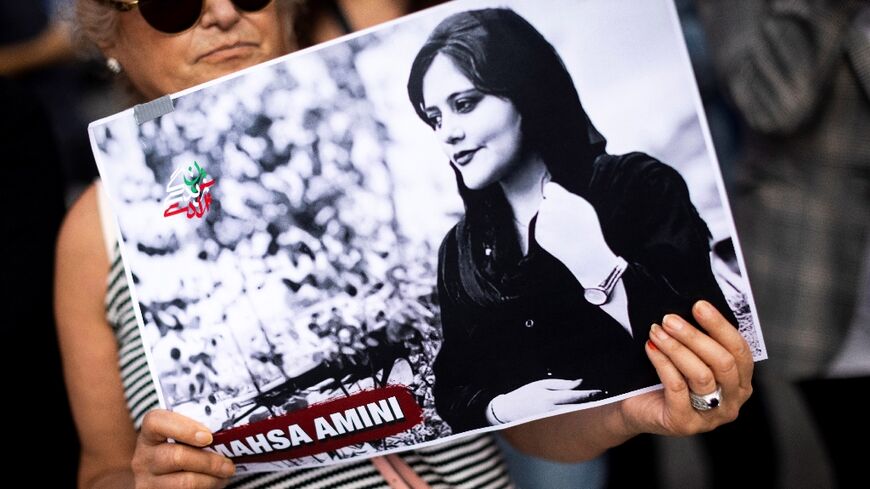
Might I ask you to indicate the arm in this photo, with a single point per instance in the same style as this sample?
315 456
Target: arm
112 454
52 45
775 56
468 394
671 261
644 211
459 400
590 259
671 257
684 359
88 347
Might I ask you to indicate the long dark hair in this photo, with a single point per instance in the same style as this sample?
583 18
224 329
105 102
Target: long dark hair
502 54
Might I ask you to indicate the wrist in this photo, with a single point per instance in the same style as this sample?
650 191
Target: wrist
620 425
619 422
596 268
121 478
603 292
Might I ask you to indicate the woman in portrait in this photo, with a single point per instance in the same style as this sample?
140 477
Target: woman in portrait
566 255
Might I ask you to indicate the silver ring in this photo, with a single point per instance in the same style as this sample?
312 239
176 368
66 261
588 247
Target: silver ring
707 401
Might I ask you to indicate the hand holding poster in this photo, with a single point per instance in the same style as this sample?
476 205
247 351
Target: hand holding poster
420 231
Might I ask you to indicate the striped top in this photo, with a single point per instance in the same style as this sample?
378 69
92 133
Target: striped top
471 462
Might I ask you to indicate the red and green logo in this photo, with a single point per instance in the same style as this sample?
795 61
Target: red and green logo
188 192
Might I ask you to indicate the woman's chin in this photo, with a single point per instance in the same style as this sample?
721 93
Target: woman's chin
476 183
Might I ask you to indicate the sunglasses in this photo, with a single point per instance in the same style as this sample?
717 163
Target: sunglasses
174 16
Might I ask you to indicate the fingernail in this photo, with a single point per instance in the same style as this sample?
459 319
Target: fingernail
673 322
228 468
203 437
704 308
651 345
659 333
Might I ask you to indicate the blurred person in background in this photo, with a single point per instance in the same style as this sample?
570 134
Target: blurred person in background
38 52
33 115
798 74
328 19
30 39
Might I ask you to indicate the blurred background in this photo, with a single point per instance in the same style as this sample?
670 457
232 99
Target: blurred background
786 88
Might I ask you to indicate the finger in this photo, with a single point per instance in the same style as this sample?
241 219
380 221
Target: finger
174 457
675 388
559 384
189 480
727 335
693 369
719 360
160 425
572 397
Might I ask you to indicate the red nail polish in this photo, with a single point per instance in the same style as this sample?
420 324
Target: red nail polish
652 346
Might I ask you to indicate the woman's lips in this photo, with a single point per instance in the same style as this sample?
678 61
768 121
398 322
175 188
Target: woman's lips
223 53
463 158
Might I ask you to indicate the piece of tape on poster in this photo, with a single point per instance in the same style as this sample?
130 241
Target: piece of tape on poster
143 113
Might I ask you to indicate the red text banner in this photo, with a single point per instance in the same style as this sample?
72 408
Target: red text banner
362 417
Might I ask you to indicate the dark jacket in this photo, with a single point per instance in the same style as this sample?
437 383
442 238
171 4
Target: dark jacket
546 329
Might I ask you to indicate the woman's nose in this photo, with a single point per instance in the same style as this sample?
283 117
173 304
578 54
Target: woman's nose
452 133
222 13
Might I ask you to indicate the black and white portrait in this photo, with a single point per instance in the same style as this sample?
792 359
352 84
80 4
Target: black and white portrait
489 203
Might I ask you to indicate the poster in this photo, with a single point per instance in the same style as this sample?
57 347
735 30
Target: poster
346 252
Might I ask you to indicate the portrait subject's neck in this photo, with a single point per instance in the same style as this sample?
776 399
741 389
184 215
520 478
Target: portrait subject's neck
523 188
